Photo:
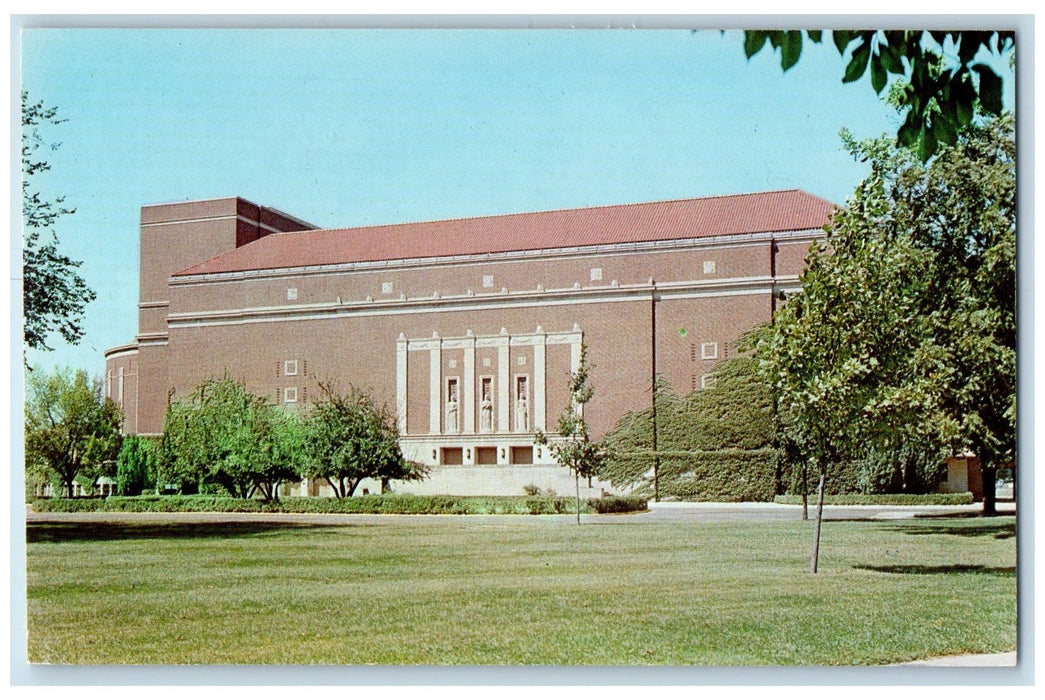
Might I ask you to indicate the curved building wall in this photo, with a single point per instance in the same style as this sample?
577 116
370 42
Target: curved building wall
121 383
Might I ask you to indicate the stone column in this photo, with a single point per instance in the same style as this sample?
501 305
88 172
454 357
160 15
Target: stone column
401 374
468 386
538 380
435 393
504 389
575 361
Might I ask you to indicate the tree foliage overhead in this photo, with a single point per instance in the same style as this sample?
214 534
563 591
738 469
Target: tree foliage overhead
944 79
54 294
904 334
348 438
71 430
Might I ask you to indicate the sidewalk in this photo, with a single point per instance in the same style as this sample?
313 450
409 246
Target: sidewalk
1007 658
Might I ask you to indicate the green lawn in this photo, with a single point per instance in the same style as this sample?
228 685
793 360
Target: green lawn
520 590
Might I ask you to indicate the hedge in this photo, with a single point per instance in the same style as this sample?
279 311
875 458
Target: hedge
884 499
370 504
730 475
618 504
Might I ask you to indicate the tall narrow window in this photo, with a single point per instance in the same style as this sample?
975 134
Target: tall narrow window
522 404
486 404
452 404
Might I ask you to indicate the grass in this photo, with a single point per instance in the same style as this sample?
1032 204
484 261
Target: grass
518 591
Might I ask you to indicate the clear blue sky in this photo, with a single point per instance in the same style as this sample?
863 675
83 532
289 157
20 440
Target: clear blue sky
355 127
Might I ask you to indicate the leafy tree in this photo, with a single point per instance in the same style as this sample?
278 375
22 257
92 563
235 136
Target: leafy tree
54 294
940 92
71 429
225 435
283 455
349 437
573 448
902 341
136 465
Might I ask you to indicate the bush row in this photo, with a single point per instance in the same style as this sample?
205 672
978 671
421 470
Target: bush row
373 504
884 499
618 504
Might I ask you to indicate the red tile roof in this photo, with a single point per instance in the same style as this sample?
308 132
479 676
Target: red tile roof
787 210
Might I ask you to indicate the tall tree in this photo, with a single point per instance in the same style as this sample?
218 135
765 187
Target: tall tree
350 437
136 465
225 435
573 447
905 331
945 78
54 296
70 427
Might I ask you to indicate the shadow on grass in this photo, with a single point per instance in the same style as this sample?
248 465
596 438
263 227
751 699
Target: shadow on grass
999 531
87 532
931 570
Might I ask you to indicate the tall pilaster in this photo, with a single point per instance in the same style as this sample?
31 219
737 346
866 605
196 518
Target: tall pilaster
435 393
504 389
575 361
401 375
539 379
468 398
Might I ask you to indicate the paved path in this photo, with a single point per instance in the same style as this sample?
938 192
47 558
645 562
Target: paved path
968 660
718 512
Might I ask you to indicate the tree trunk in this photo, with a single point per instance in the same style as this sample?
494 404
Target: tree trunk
814 561
577 483
805 494
989 477
352 486
333 486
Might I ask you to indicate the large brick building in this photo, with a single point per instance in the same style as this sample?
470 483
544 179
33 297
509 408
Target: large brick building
468 327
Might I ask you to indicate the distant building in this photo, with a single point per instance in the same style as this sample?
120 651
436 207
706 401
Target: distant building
468 327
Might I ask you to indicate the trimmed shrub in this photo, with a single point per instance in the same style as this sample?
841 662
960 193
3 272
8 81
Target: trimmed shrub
716 444
618 504
886 499
842 478
729 475
372 504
